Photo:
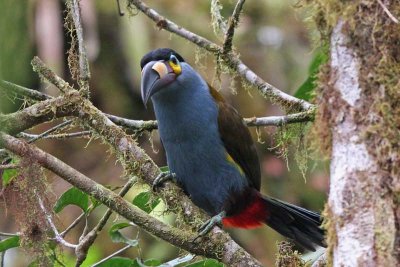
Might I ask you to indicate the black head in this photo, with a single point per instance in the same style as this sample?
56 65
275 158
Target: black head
160 68
159 54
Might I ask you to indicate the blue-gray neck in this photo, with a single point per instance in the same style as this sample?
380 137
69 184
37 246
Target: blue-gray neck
186 109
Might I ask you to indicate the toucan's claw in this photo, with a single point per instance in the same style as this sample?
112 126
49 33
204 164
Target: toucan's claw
209 225
162 178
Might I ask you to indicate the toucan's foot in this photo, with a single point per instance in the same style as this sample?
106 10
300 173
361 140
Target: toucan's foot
208 225
162 178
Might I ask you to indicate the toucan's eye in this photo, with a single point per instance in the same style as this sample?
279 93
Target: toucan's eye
175 65
173 59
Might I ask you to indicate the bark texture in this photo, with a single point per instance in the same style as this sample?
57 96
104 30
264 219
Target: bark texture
360 101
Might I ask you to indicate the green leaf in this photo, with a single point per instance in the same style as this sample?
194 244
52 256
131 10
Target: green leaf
11 242
206 263
152 262
8 175
72 196
147 263
142 201
117 262
164 169
307 88
95 202
117 237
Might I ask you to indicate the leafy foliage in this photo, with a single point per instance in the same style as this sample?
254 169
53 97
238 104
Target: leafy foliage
117 262
144 201
72 196
118 237
306 90
205 263
8 175
11 242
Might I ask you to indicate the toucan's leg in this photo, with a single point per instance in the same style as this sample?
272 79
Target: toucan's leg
162 178
208 225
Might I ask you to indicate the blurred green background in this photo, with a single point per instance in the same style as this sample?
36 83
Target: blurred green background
272 39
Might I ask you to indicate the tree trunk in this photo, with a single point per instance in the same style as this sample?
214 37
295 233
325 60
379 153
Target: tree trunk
361 101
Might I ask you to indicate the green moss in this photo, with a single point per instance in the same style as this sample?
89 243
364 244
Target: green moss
217 21
291 137
286 257
330 236
21 198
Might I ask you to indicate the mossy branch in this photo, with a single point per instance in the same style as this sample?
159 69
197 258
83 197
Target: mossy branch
219 246
84 71
141 125
38 113
233 22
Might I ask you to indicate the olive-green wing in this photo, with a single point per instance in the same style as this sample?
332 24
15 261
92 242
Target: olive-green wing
237 140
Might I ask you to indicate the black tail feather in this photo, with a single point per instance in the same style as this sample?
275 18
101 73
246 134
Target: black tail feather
299 224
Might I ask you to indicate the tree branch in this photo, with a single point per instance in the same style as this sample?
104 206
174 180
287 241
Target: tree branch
49 131
17 89
58 238
231 60
9 166
281 120
152 124
220 246
390 15
84 72
40 112
49 75
112 255
55 136
8 234
72 225
233 22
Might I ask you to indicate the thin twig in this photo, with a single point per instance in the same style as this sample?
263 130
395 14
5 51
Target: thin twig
72 225
49 131
32 94
233 22
84 72
9 166
58 238
281 120
112 255
120 12
48 74
133 124
178 261
9 234
57 136
395 20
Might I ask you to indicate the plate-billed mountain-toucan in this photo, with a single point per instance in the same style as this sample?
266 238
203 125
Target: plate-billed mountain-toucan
211 154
